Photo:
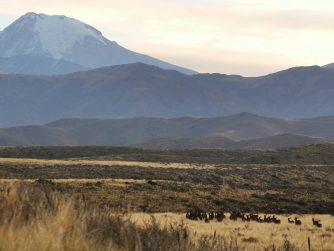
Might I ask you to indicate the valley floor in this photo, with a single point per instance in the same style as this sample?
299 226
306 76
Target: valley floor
175 187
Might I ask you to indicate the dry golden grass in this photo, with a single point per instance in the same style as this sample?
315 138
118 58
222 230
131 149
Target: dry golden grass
253 235
80 162
97 162
113 182
32 219
35 218
47 233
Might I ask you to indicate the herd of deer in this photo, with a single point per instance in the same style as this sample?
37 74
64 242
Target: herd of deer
220 216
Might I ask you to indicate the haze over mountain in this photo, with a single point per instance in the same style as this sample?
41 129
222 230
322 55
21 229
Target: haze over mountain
238 131
139 90
43 44
33 64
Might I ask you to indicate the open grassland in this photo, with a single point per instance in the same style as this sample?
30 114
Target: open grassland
33 218
104 199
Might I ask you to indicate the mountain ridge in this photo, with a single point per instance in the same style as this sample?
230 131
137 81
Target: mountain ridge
141 90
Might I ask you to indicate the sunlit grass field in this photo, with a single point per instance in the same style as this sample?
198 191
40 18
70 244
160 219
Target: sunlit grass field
254 235
79 162
33 218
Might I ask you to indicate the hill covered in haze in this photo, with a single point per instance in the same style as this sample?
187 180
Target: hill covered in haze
241 131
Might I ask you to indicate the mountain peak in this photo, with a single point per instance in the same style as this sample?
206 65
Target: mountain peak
62 38
45 35
30 14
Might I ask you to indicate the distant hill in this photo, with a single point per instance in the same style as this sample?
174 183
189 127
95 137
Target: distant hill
241 131
212 142
139 90
281 141
36 135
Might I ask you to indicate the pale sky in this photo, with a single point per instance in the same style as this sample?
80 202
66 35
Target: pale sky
247 37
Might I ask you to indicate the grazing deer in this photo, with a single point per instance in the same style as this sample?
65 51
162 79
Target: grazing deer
194 214
266 218
259 219
246 218
201 216
220 216
276 220
212 215
298 221
207 218
254 217
234 216
291 221
316 223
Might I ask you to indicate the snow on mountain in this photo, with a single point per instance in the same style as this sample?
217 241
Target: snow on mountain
67 39
56 40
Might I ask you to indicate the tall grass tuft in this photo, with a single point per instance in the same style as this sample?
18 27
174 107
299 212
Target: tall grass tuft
35 218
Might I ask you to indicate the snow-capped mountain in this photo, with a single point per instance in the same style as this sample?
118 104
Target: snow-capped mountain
65 40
